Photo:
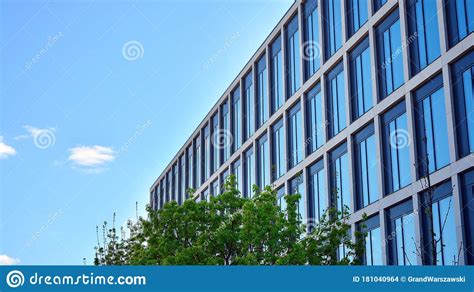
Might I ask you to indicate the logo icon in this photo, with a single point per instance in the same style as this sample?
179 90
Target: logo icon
15 279
132 50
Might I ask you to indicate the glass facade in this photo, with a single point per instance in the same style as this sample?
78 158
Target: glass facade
276 71
315 125
190 168
236 119
295 136
373 241
293 60
432 135
358 16
297 187
361 80
278 150
366 167
332 26
312 50
263 161
249 114
389 51
423 33
401 236
215 144
225 126
197 162
262 91
375 153
463 89
317 193
336 100
249 173
460 19
340 193
206 159
237 171
396 149
439 228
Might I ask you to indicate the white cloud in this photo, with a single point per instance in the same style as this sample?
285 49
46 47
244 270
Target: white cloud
8 261
91 156
6 150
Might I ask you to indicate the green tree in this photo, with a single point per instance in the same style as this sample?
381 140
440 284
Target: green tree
231 230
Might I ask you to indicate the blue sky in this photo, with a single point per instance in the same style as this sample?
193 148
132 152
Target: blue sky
96 97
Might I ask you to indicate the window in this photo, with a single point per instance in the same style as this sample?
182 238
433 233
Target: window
463 73
401 235
293 63
278 150
190 169
332 26
297 187
169 184
225 146
295 136
249 167
215 188
236 119
336 100
460 19
317 196
215 143
361 80
312 43
276 75
249 115
378 4
468 214
396 148
373 241
237 171
174 180
263 177
224 176
423 33
197 162
359 13
389 50
366 164
162 193
154 198
281 201
182 179
438 217
206 153
262 91
206 196
432 133
315 126
339 179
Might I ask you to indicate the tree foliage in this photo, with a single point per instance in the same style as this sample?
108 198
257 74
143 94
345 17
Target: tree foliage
232 230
